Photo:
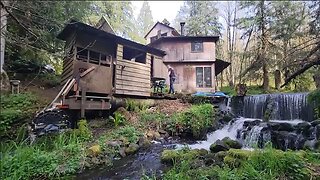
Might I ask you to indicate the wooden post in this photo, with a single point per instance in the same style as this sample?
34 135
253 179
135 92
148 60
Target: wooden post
83 101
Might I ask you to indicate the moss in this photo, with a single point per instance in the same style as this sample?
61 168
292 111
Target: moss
169 156
94 150
235 157
232 143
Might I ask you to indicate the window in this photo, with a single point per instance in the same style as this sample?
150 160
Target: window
197 46
203 77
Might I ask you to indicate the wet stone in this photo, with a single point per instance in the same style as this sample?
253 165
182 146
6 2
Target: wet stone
218 146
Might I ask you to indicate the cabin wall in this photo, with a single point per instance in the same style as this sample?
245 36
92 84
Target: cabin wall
159 68
181 51
132 78
69 59
186 77
155 30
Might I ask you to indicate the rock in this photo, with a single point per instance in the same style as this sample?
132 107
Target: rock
122 152
133 148
157 135
168 156
218 146
303 127
317 145
114 143
162 131
285 127
202 152
284 140
315 122
144 142
94 150
251 123
317 131
232 143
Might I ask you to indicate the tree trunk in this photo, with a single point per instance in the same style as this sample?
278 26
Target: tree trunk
264 48
4 81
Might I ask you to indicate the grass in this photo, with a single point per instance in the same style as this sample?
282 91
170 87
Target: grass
15 110
263 164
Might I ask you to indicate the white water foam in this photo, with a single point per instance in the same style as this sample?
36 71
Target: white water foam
229 130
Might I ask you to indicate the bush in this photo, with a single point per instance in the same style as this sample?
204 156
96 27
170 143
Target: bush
83 131
198 118
130 133
314 98
49 157
14 108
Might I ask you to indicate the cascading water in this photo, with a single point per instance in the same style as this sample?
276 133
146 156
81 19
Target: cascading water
281 106
279 118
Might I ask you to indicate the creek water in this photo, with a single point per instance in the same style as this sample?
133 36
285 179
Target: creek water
287 113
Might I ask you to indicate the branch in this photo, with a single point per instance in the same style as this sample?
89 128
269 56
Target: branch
315 61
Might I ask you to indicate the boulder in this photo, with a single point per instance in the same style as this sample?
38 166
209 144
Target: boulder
154 135
94 150
133 148
284 140
251 123
144 142
114 143
232 143
285 127
303 127
122 152
218 146
317 131
315 122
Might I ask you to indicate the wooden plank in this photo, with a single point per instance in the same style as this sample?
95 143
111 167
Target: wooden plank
139 79
134 64
67 76
132 70
130 82
129 68
66 72
138 68
131 74
134 93
131 88
147 86
68 66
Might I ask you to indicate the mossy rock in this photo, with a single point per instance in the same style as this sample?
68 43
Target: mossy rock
232 143
235 157
168 156
94 150
219 146
133 148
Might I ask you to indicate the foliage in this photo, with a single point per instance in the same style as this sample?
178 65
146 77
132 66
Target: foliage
14 108
49 157
201 18
314 98
130 133
83 131
144 21
136 106
258 164
119 119
198 118
50 80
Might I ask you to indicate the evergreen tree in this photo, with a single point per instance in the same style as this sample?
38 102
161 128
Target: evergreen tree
144 21
201 18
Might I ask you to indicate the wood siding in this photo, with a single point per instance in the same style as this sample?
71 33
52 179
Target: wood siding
132 78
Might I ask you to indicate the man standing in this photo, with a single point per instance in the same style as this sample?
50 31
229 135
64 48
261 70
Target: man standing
172 78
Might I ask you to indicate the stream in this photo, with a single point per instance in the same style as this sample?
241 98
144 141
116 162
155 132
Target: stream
289 127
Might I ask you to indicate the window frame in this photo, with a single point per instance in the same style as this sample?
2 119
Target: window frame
203 85
193 45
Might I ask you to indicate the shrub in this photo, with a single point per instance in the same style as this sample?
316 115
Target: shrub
14 108
130 133
119 119
314 98
83 131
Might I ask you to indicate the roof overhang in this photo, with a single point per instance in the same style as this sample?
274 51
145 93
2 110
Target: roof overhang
185 38
75 26
173 29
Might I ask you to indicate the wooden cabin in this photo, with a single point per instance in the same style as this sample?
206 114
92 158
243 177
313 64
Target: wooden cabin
105 64
192 57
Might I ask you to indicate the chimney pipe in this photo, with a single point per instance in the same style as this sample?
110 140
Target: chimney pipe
182 25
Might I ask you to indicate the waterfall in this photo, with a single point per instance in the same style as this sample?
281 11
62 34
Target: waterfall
279 106
282 119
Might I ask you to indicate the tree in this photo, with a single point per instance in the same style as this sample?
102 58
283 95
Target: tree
144 21
120 16
201 18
